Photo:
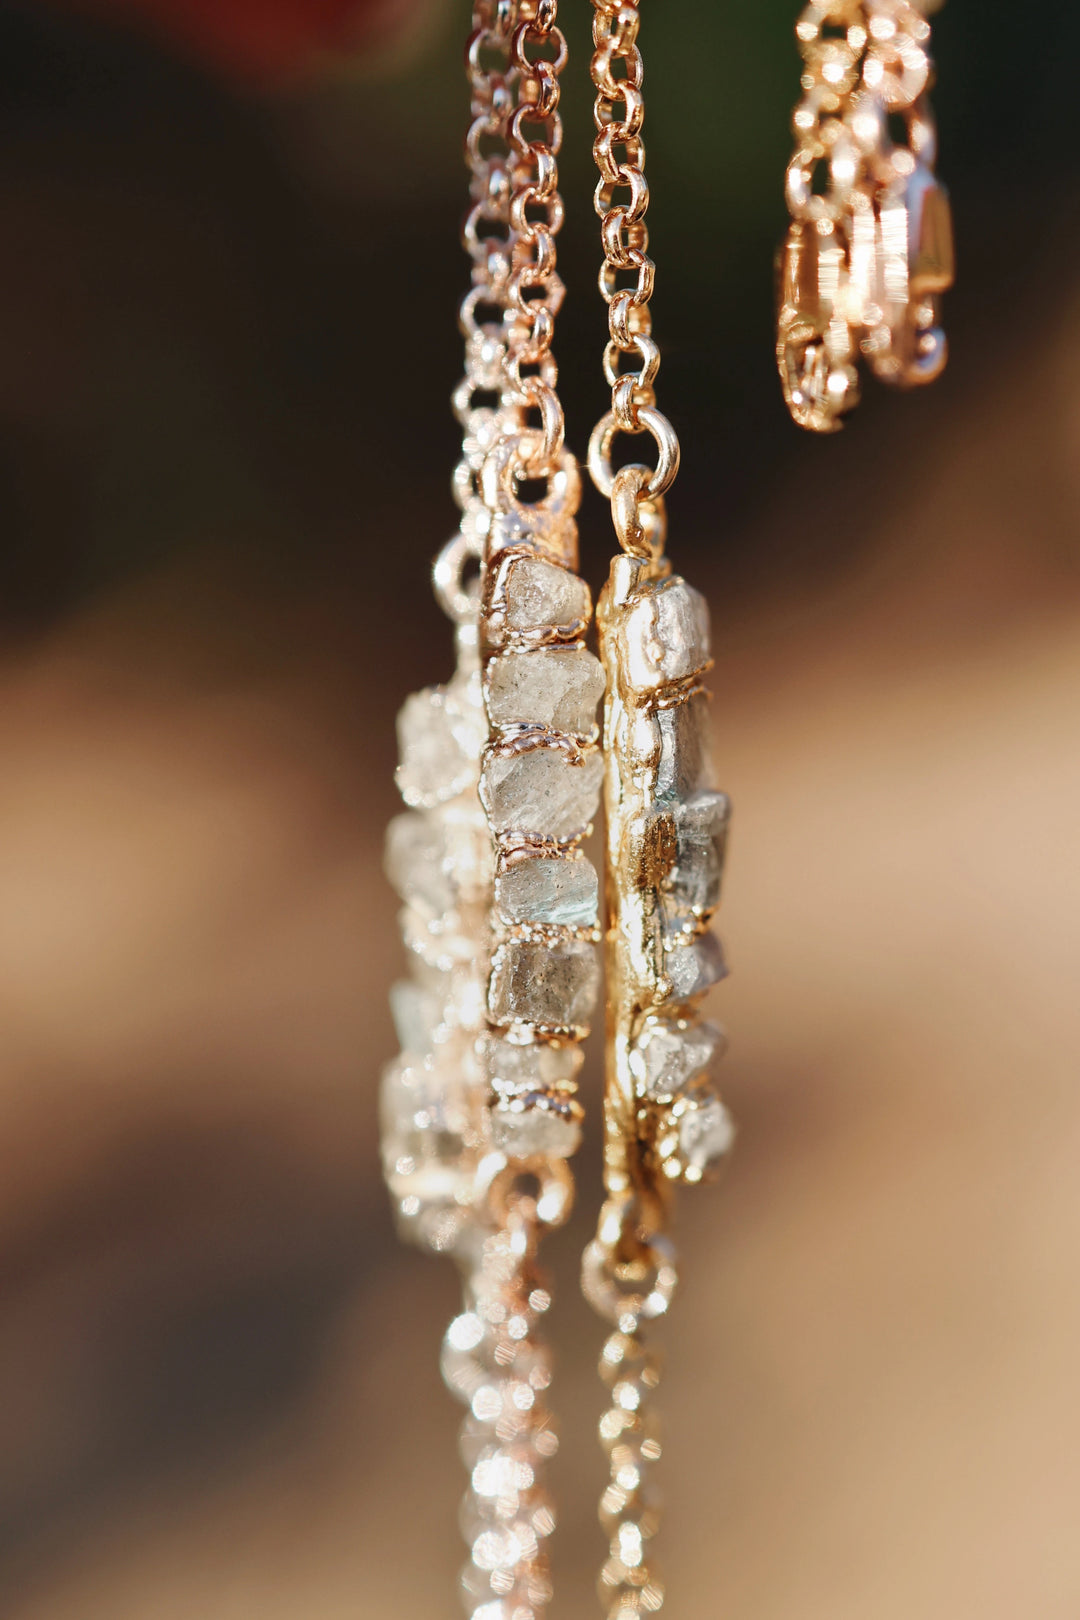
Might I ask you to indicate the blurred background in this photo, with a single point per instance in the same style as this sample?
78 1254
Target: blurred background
228 279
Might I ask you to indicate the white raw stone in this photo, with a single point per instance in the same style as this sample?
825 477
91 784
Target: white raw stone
441 734
692 888
416 860
417 1013
666 635
434 1006
704 818
542 596
539 1066
549 986
706 1134
558 687
685 765
542 792
695 966
668 1055
425 1116
438 941
534 1125
559 892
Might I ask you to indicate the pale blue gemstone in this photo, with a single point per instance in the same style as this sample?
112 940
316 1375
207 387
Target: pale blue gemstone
549 986
685 766
542 792
557 892
694 967
692 888
557 687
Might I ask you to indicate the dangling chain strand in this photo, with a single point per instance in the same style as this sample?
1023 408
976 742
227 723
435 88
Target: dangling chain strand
637 500
492 1358
539 784
665 829
629 1433
536 216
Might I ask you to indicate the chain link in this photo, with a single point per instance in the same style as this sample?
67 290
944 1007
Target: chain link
627 276
534 136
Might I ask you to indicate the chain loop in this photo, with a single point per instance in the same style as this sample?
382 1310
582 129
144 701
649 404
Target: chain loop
667 445
459 601
630 1291
538 55
640 524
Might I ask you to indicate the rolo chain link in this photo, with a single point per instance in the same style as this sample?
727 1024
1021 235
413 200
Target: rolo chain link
631 358
534 136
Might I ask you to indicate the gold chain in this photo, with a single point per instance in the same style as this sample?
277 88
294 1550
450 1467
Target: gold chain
493 1357
631 359
616 1262
534 134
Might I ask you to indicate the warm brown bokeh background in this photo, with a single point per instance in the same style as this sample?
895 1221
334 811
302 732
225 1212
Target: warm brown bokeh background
227 339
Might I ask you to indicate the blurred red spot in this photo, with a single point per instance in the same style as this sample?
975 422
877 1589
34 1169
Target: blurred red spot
259 39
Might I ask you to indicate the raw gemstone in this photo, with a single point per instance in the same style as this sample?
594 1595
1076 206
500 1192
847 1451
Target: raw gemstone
416 861
441 733
550 986
531 1125
666 635
424 1111
706 1133
437 941
417 1013
537 1067
541 596
560 892
685 765
542 792
433 1004
693 967
704 819
558 687
667 1055
692 888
